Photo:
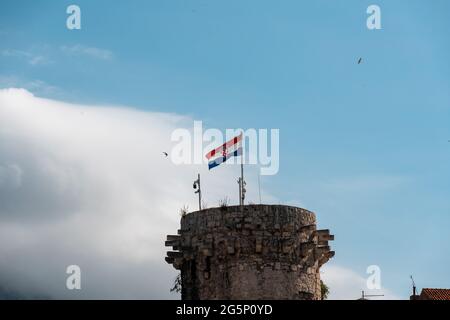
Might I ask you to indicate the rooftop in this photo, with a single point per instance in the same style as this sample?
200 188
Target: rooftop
435 294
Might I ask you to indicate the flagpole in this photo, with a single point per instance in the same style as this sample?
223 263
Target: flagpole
240 191
242 180
259 187
242 171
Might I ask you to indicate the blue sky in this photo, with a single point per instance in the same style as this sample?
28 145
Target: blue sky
364 146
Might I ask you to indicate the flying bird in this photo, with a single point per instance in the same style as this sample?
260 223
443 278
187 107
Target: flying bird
360 60
165 153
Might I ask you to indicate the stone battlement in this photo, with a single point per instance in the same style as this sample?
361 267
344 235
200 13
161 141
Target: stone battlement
250 252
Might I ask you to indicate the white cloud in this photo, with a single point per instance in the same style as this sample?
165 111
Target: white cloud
32 58
92 52
89 185
10 176
36 86
346 284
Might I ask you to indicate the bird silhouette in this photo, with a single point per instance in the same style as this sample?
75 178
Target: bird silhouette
359 61
165 153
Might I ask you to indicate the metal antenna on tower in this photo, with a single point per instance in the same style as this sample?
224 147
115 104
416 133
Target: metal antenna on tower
363 297
196 187
414 285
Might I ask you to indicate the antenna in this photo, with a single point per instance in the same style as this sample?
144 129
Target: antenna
196 187
414 285
370 295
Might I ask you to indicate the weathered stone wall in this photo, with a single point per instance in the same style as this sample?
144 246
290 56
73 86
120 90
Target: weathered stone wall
250 252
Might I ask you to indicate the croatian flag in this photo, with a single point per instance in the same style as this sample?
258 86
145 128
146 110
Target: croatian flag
232 148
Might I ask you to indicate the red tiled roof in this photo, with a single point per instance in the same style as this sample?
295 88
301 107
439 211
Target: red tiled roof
435 294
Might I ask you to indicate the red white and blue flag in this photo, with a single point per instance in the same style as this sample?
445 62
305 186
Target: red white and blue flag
231 148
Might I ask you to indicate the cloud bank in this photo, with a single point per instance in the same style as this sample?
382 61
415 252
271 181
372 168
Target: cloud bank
90 186
346 284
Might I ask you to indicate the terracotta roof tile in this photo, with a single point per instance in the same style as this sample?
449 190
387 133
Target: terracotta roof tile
435 294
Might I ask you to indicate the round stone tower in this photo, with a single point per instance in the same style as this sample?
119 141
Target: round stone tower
249 252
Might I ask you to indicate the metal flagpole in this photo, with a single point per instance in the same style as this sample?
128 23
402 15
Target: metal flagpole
242 171
240 191
259 187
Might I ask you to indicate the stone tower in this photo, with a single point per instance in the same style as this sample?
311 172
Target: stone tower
249 252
